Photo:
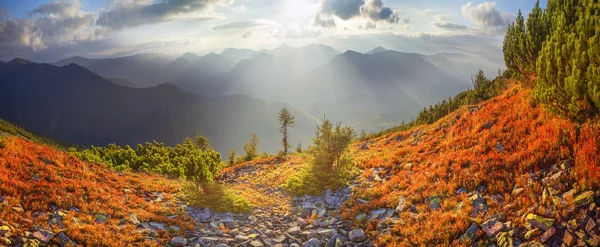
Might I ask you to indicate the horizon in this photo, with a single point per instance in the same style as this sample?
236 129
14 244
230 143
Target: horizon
219 52
48 31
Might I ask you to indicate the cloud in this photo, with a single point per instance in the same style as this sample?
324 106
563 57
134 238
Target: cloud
368 26
344 9
131 13
375 10
320 22
64 21
300 34
22 32
240 25
449 26
487 17
247 35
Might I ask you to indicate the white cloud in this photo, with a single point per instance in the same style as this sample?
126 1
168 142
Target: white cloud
487 18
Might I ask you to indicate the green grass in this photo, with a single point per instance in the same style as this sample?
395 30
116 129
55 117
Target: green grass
12 129
217 197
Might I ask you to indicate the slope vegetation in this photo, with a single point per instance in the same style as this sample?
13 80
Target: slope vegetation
505 171
50 197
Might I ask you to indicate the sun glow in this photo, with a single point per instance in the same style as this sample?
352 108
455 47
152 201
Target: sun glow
300 9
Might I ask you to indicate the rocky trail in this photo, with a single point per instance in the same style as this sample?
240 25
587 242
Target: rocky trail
312 221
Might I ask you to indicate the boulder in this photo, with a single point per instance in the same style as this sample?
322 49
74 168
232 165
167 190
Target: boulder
313 242
178 241
357 235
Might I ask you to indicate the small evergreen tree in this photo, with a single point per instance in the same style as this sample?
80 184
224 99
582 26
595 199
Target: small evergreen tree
329 166
514 47
231 157
286 120
251 147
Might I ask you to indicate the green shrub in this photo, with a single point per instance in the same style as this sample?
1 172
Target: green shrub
330 165
193 160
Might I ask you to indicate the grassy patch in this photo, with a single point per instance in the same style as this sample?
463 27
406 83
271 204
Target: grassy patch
217 197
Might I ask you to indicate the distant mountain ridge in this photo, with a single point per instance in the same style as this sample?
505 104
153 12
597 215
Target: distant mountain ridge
74 105
311 76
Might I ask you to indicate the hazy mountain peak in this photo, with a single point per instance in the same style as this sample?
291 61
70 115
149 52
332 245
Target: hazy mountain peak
190 57
20 61
378 49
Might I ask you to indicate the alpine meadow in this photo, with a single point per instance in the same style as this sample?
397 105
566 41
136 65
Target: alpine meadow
299 123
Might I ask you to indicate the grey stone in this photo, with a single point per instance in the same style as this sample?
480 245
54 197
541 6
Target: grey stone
357 235
178 241
313 242
326 233
294 230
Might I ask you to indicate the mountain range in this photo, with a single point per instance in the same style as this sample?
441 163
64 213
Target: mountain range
224 96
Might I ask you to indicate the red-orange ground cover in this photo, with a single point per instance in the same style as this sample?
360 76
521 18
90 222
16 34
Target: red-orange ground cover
37 178
462 151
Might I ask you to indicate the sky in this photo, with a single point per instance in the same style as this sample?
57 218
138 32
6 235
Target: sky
50 30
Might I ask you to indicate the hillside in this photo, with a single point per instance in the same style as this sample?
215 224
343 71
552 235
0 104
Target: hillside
505 171
49 197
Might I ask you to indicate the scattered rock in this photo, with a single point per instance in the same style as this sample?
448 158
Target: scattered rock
313 242
470 234
492 227
256 243
584 198
434 204
539 221
547 235
401 205
100 218
357 235
294 230
63 240
499 147
178 241
43 236
18 210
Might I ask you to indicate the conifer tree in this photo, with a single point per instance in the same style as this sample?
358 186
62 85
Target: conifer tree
286 120
536 34
568 63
